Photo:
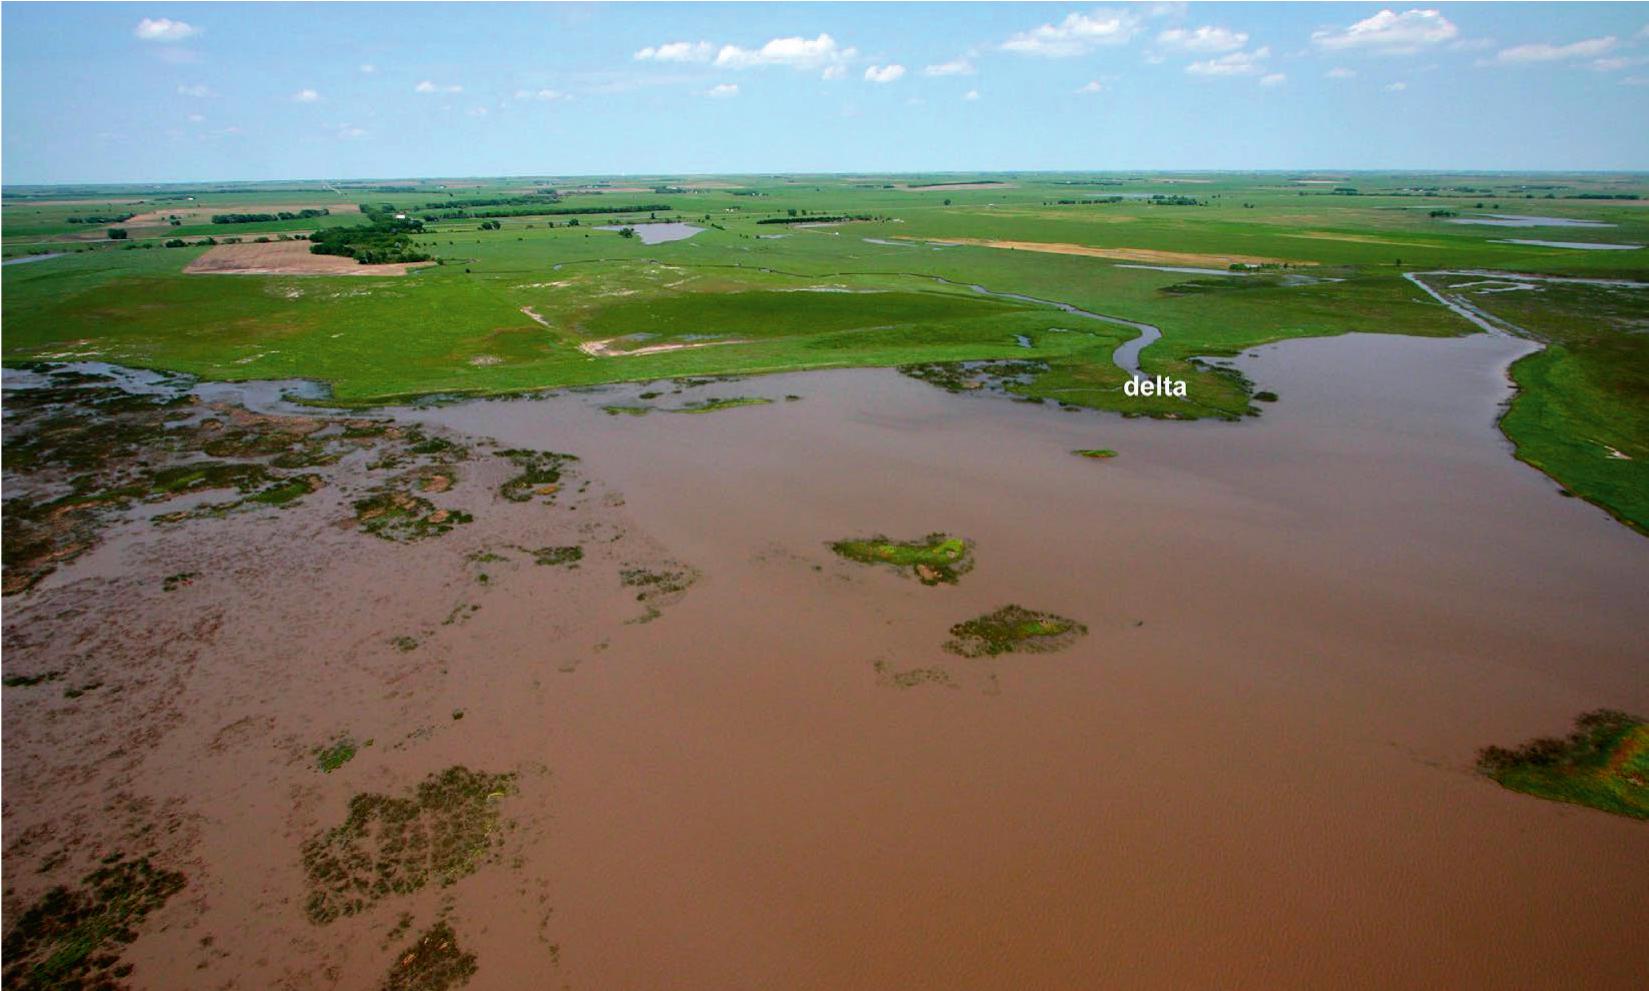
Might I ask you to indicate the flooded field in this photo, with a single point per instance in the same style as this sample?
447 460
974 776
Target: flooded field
708 751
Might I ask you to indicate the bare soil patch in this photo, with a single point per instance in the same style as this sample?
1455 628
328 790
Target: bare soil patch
285 258
605 349
1122 254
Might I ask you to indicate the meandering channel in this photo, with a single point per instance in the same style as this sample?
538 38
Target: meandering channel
1126 355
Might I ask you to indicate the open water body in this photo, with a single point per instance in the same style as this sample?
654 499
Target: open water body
1254 772
659 233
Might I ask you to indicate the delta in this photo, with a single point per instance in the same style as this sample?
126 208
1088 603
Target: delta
1162 385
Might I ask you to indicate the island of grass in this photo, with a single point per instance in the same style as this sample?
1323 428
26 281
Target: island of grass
1603 764
1014 629
712 405
937 559
1098 453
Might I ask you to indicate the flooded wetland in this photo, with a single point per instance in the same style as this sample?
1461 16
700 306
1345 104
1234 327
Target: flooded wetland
658 702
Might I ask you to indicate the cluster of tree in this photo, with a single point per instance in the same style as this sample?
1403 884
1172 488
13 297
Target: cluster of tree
929 185
626 232
1345 191
490 225
267 218
386 240
1158 199
1607 196
540 197
542 211
118 234
817 218
1090 202
118 218
1444 213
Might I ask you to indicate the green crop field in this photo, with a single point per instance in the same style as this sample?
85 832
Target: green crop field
802 272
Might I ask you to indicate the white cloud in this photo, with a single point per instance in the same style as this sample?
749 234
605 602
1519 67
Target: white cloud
722 91
1274 79
1234 64
1618 63
833 72
1203 39
1635 81
1395 87
1077 34
367 68
1092 86
306 96
1340 72
164 29
1387 33
797 52
477 111
199 91
955 67
677 51
884 73
971 95
349 132
428 87
1524 54
541 94
197 118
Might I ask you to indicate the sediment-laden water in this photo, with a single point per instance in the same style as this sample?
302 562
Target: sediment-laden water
1254 769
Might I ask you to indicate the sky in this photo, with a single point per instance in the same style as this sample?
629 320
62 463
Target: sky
153 92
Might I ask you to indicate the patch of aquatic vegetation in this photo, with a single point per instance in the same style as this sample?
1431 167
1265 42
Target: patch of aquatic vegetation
1097 453
29 680
659 586
937 559
701 406
912 677
712 405
80 452
433 963
1603 764
1014 629
966 376
394 845
568 556
71 938
183 579
540 474
401 517
336 754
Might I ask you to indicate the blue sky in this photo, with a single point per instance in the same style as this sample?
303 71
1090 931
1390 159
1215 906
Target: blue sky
155 91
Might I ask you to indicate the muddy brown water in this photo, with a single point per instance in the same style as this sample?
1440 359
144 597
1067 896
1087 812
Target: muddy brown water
1253 772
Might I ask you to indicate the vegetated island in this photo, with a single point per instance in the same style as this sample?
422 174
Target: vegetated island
1097 453
1014 629
937 559
1603 764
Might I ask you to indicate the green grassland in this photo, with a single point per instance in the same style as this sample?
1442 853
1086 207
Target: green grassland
507 309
